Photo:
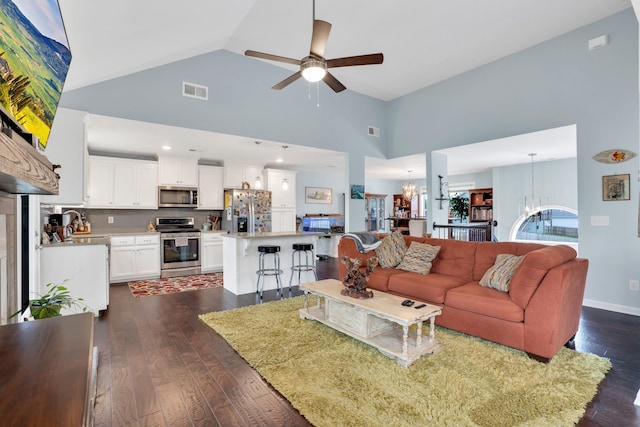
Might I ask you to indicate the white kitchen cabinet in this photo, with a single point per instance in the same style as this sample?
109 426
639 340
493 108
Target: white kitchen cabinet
83 269
67 147
178 172
136 184
101 185
283 219
211 251
135 257
122 183
281 198
236 174
210 187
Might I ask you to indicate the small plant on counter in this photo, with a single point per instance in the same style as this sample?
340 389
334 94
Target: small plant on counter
55 299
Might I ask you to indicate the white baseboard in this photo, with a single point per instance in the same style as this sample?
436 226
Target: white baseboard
635 311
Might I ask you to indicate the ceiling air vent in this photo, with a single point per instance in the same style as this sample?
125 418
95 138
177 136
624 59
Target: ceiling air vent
371 131
195 91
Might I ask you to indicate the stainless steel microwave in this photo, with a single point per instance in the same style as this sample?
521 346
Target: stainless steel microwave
177 197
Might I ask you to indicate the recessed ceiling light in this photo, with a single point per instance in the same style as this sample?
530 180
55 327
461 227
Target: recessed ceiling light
279 160
166 147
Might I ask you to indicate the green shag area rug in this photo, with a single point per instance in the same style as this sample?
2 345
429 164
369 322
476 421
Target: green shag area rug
334 380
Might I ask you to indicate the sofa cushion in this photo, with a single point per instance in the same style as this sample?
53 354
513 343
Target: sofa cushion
391 250
486 253
418 258
488 302
430 288
498 276
379 279
455 258
533 268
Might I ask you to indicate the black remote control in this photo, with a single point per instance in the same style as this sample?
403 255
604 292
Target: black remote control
408 303
420 306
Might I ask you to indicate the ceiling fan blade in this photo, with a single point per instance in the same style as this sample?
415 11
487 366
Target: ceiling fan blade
348 61
333 83
319 37
286 82
272 57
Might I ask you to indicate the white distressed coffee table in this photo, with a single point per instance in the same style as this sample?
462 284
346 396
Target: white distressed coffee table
382 321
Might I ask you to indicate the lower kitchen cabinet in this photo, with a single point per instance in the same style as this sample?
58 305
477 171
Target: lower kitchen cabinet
83 269
211 252
135 257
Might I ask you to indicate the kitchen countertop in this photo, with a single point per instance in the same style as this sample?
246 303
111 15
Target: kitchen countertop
272 234
78 241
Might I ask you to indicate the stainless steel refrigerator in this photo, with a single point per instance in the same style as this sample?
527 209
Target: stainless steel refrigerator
247 211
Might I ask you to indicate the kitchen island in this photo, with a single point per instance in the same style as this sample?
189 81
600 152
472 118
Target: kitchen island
241 258
82 266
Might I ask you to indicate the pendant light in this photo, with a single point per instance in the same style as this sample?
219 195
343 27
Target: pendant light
409 189
285 180
532 205
258 183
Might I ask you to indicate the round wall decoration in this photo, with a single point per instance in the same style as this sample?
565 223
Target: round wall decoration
614 156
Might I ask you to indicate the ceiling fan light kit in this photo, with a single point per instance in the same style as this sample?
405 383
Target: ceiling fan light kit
313 67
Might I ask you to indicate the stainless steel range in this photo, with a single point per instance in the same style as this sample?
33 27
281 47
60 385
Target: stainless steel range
180 246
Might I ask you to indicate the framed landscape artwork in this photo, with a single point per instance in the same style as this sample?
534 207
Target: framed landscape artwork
317 195
615 187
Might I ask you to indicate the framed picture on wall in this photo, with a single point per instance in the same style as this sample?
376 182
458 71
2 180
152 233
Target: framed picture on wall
357 191
615 187
317 195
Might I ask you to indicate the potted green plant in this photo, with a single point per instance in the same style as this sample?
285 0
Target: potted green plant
459 206
49 304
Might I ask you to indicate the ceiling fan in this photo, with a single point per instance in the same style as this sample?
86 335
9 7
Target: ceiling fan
314 67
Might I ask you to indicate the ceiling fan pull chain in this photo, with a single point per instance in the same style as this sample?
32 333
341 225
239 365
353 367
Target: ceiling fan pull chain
318 94
309 89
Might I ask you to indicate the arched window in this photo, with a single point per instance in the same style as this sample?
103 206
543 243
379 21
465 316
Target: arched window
551 224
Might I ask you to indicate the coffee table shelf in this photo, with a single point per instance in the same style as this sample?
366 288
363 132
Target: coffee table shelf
381 322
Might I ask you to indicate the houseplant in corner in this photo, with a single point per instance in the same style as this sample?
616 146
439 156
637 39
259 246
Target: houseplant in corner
49 304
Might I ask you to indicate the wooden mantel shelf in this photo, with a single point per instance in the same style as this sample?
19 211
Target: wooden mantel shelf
23 170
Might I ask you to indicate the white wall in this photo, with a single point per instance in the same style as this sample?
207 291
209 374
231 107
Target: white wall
328 180
556 181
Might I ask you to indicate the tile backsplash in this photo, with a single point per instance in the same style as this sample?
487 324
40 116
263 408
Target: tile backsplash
136 220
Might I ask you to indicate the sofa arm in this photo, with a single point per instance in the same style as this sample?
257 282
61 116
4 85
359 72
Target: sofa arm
348 248
553 314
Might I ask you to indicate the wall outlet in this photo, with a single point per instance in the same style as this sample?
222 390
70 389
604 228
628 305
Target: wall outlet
110 219
634 285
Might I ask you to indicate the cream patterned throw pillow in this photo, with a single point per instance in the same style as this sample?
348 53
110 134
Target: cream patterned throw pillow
391 250
419 258
498 276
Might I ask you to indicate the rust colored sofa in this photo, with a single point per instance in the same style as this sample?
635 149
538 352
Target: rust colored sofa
538 315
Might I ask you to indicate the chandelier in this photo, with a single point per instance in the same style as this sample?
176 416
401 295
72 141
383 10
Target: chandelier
532 205
409 190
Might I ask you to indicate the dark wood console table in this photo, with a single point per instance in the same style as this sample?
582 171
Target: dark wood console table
47 372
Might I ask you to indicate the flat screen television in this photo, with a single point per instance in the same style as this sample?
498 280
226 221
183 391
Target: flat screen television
34 60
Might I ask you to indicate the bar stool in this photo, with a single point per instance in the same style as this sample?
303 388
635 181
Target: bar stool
309 265
272 271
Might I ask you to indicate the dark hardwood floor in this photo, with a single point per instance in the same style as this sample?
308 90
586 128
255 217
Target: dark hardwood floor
160 366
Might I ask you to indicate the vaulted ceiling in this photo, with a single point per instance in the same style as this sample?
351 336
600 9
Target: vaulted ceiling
423 42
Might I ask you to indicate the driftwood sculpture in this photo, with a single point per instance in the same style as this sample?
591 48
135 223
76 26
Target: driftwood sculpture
356 280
